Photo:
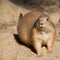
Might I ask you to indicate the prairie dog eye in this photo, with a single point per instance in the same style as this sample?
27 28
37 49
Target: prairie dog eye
47 19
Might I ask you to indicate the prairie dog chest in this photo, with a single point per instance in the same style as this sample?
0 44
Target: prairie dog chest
41 35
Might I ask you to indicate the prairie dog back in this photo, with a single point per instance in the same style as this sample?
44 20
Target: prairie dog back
25 25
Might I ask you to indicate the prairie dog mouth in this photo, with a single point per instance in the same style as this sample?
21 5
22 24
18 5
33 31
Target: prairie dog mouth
43 29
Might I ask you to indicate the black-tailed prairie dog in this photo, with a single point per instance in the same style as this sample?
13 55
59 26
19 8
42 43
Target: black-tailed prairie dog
36 29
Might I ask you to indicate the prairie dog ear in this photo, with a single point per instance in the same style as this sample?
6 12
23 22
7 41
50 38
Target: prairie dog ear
20 16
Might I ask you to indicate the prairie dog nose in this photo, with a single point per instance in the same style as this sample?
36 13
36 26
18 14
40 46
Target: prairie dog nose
41 24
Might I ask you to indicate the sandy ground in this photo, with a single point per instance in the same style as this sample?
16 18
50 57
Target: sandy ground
10 47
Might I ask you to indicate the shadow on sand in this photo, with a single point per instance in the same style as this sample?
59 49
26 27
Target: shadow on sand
21 43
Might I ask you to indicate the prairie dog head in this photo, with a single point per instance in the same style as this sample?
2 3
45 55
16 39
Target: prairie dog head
43 22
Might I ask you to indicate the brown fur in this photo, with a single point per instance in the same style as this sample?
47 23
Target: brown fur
30 33
43 34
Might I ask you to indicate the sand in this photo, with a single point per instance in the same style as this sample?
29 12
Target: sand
10 47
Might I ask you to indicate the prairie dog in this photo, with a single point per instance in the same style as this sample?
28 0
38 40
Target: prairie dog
35 29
